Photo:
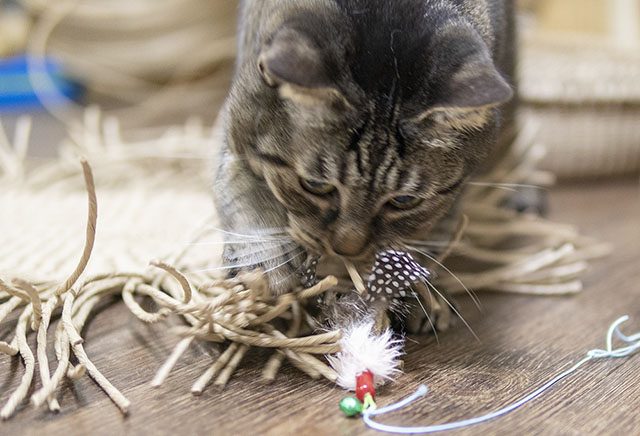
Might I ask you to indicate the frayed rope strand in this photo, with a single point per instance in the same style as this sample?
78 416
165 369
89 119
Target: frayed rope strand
634 344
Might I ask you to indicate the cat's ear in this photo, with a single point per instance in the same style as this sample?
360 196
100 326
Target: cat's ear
469 94
476 84
294 64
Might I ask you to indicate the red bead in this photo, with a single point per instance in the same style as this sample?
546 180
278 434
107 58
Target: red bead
364 385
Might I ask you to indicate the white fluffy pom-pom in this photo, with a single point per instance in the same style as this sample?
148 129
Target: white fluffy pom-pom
363 350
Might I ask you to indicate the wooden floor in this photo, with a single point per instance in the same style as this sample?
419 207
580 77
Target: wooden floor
524 342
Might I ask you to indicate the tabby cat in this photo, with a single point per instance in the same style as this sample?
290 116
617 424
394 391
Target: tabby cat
353 125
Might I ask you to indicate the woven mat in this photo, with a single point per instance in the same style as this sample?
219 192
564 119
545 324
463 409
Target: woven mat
152 196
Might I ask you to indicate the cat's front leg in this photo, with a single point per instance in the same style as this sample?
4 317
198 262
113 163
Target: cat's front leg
255 226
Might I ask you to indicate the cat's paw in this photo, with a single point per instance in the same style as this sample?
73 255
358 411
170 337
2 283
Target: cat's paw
281 264
428 316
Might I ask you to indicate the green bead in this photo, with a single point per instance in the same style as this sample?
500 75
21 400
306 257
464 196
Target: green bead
351 406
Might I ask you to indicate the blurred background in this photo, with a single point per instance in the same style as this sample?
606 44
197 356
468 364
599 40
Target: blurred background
160 62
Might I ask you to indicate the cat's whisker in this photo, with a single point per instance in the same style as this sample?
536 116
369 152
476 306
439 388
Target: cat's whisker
253 263
263 230
472 294
512 187
427 243
173 156
272 230
272 233
277 249
430 285
283 279
284 263
433 327
237 242
269 252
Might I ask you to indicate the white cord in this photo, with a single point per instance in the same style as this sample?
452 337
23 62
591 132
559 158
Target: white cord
633 340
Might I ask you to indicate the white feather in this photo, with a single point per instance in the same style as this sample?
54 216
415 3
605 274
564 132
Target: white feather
363 350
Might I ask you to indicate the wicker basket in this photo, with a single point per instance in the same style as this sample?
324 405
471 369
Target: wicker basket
584 94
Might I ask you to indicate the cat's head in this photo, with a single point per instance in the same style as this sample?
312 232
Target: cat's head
365 124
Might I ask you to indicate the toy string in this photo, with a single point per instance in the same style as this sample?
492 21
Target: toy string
633 340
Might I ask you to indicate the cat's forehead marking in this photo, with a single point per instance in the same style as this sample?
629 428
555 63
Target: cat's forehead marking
372 156
382 170
332 168
411 182
392 178
325 167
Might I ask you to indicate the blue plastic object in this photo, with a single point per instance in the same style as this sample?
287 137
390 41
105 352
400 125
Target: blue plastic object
17 93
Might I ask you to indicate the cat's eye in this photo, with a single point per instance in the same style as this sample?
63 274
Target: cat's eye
316 187
405 202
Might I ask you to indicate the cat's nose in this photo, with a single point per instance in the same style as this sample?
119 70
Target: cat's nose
349 243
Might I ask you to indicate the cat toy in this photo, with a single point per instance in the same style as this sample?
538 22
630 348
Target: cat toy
366 354
365 405
393 275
